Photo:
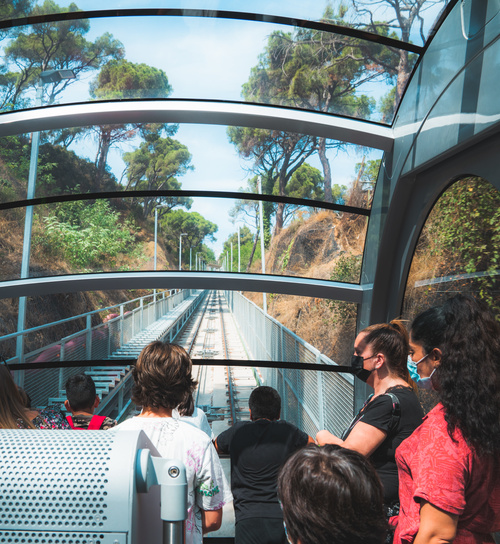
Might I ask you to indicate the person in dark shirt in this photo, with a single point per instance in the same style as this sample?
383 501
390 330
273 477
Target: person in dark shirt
81 401
258 448
391 414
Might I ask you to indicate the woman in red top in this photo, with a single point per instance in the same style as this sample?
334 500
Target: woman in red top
449 468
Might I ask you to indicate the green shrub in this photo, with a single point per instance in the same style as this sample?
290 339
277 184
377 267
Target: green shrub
88 236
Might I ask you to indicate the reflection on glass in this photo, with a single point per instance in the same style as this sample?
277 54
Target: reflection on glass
459 248
259 62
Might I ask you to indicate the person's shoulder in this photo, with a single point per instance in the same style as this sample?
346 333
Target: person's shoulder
130 424
383 401
226 437
238 425
108 423
283 423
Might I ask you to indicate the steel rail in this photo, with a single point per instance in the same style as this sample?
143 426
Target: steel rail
228 368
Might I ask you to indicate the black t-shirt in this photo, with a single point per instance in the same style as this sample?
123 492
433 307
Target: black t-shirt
379 413
258 449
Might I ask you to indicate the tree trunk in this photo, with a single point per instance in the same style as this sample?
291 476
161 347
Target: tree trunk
327 172
278 227
403 75
253 252
102 156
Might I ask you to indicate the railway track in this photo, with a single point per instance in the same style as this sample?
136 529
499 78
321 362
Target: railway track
222 391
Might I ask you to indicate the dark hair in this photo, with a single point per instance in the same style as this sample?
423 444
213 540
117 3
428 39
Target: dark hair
331 494
186 407
80 392
12 407
162 376
391 339
468 376
265 402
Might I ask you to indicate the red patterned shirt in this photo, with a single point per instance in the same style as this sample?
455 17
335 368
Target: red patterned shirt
449 475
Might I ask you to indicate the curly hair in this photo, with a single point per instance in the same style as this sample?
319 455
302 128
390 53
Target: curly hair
331 494
162 376
391 339
12 407
468 377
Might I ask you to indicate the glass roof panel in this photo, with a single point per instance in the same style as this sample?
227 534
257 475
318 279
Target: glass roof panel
190 157
203 58
409 21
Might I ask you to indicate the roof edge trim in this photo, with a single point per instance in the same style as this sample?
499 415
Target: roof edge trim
182 280
330 126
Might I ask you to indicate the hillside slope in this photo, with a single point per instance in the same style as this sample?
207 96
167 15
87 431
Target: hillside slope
324 246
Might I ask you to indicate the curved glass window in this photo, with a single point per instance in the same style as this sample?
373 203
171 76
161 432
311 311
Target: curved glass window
205 158
114 235
459 248
373 17
189 58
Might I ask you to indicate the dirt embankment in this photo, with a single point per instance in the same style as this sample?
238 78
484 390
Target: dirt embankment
51 308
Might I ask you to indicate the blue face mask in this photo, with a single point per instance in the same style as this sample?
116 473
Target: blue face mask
424 383
412 369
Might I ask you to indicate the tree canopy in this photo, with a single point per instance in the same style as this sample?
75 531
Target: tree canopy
196 228
53 45
124 79
156 164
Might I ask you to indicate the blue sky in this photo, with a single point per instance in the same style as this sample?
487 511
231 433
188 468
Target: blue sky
208 58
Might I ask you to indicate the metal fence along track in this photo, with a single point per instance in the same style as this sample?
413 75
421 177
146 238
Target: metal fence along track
312 400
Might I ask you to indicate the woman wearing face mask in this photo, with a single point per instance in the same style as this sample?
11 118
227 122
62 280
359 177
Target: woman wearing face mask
449 468
391 414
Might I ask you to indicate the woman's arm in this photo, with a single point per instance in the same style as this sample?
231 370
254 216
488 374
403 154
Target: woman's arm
436 525
363 438
211 520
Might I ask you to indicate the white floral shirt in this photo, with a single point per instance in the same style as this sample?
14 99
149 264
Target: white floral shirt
207 486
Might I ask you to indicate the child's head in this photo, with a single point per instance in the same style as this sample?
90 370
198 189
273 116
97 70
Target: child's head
81 394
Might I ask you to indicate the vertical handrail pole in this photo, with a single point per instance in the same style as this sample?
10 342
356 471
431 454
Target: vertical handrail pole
89 338
121 325
321 415
262 245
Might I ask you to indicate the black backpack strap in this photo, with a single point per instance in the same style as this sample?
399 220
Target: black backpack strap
396 409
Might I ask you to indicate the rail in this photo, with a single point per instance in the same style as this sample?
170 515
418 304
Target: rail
311 400
124 322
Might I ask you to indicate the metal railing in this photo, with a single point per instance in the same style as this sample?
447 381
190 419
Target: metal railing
90 343
312 400
95 342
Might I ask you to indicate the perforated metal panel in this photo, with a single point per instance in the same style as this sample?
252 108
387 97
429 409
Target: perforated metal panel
69 487
41 489
29 537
